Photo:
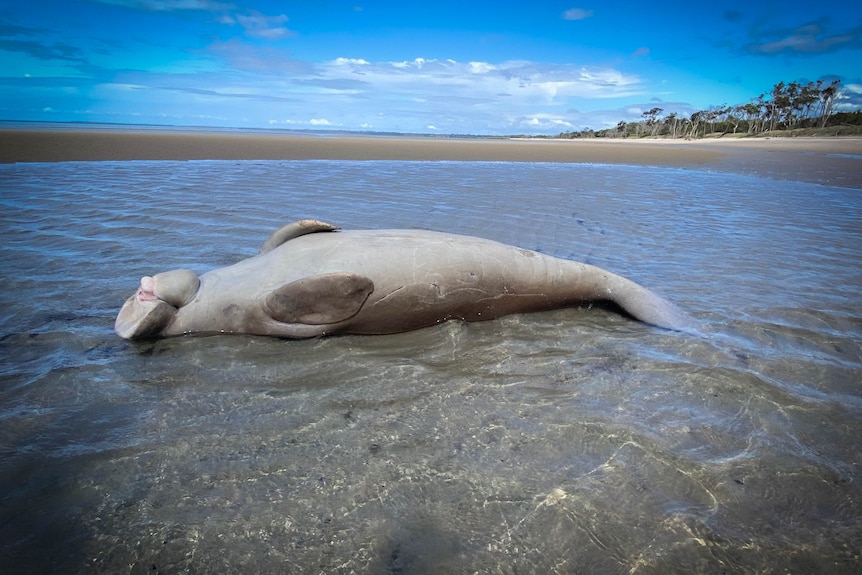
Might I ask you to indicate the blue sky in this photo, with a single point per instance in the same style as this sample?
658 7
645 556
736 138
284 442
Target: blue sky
537 67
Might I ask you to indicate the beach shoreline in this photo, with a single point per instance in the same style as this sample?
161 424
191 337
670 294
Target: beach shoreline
820 160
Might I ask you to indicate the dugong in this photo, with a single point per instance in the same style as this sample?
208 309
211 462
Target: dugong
310 279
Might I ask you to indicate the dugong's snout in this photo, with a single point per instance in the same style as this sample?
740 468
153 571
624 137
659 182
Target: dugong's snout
154 305
140 318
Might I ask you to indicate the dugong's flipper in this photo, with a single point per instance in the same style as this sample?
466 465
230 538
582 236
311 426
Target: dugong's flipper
294 230
320 300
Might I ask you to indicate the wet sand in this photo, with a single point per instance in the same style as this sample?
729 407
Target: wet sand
834 161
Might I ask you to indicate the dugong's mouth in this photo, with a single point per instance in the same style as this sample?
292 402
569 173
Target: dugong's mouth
144 294
147 290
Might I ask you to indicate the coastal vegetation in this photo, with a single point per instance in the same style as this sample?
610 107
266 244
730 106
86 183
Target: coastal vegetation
788 109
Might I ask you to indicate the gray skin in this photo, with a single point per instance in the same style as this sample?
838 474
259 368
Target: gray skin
309 280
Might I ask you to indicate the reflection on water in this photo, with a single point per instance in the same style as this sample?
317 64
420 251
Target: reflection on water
568 441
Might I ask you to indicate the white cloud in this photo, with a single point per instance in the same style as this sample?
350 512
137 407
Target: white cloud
419 95
350 62
544 122
417 63
849 98
809 39
805 41
170 5
481 67
254 23
259 60
520 80
448 96
262 26
315 122
577 14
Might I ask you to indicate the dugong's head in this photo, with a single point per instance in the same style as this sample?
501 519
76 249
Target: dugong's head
154 305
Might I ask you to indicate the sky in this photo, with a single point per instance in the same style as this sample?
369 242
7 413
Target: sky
442 67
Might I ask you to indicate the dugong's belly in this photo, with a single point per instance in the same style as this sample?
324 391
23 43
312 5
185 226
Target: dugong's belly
421 278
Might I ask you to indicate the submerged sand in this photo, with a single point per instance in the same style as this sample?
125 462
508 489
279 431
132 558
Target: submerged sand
835 161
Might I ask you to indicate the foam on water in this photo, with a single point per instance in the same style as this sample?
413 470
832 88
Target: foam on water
569 441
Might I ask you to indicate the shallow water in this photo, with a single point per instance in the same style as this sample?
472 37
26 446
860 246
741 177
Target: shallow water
569 441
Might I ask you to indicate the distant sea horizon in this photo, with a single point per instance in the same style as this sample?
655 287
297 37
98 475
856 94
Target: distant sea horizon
320 133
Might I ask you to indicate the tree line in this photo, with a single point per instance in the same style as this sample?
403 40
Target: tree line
785 107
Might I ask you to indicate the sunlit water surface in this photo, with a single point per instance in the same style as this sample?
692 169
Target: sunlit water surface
573 441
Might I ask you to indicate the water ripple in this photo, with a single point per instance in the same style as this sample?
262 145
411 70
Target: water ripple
542 443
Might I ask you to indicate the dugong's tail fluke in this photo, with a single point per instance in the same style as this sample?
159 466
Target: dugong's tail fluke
589 283
642 304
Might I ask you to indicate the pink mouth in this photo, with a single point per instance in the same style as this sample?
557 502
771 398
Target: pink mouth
147 290
146 296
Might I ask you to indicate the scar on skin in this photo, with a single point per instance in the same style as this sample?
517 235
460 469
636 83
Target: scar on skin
390 294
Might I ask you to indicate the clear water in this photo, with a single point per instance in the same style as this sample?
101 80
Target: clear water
569 441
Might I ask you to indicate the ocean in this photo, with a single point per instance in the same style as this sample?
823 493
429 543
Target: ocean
570 441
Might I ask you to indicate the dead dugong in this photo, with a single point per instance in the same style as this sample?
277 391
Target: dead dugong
310 280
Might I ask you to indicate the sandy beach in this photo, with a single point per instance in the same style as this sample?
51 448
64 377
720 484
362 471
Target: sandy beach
834 161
